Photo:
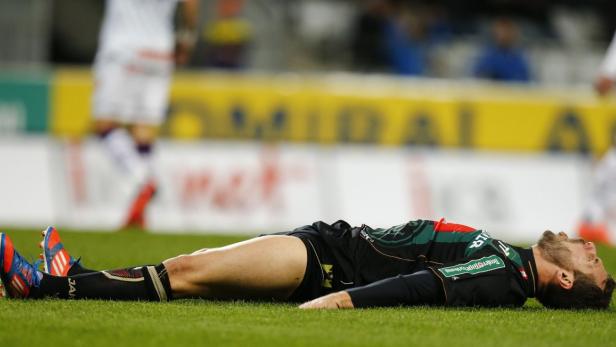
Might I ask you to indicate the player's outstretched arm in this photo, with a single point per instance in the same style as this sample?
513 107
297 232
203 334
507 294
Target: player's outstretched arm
419 288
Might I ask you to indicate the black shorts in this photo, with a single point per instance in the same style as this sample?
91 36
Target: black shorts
320 266
339 259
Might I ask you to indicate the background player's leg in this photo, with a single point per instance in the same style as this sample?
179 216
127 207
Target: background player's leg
120 146
270 267
113 100
151 102
143 136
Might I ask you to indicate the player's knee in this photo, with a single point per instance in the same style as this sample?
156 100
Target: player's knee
104 127
188 268
144 134
177 265
188 275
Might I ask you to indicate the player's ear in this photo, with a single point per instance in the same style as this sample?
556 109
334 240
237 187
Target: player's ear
565 278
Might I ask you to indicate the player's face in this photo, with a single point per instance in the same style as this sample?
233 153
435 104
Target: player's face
584 259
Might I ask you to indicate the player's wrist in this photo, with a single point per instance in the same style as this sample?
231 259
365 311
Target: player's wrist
344 300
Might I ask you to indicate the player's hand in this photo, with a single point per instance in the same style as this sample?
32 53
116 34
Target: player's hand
603 85
183 52
332 301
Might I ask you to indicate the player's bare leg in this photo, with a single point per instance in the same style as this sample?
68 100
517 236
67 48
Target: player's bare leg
144 134
264 267
200 251
268 267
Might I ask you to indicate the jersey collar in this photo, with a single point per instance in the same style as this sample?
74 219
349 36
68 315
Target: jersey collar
529 273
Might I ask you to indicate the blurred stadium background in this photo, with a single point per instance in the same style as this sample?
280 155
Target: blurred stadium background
292 111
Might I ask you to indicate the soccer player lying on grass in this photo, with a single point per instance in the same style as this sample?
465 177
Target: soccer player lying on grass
338 266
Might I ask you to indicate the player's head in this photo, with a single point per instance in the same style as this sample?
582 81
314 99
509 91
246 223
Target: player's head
582 282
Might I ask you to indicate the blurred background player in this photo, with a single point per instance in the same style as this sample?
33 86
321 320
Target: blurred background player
224 41
502 58
600 207
133 68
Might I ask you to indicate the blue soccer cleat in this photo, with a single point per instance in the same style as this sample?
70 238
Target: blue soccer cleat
17 274
56 259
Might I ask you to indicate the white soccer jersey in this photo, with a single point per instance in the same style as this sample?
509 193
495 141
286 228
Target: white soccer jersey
138 24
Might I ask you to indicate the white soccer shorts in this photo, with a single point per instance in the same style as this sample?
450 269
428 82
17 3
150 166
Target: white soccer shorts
132 88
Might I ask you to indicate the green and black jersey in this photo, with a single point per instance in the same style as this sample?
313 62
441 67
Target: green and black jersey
463 265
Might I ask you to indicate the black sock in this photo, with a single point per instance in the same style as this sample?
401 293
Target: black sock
149 283
157 280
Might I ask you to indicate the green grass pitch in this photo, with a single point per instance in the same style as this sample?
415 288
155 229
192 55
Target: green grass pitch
203 323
